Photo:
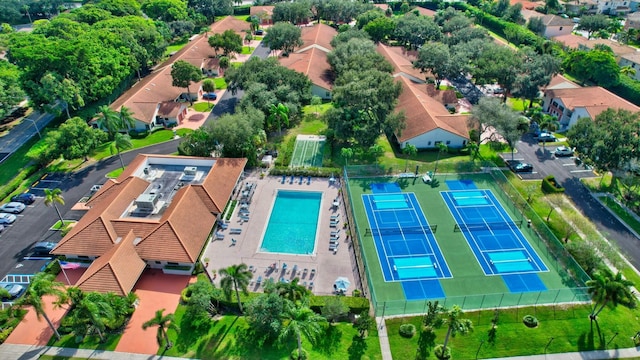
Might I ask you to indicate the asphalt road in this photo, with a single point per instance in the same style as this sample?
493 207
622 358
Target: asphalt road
22 132
569 174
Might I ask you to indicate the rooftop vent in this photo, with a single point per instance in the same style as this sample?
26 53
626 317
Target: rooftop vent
190 170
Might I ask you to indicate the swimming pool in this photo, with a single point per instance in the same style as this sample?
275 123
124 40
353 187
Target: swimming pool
293 223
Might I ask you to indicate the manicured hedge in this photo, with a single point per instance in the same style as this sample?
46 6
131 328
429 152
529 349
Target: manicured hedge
310 171
549 187
356 304
17 181
628 89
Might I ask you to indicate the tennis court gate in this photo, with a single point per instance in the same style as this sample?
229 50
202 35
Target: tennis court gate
411 230
355 240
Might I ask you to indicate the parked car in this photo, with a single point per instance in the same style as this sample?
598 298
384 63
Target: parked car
546 137
209 96
24 198
7 218
43 247
522 167
1 228
563 151
259 32
13 207
14 290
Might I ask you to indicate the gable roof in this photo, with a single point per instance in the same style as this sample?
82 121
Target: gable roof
424 12
547 19
575 42
116 271
401 60
257 10
424 114
220 183
634 58
560 82
594 99
313 63
319 35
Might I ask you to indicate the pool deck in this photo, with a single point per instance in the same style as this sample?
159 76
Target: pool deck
327 265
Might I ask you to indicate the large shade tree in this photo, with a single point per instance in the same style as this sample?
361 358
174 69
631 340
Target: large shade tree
183 74
235 278
283 36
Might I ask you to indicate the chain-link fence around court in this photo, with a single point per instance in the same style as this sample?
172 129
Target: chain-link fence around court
571 273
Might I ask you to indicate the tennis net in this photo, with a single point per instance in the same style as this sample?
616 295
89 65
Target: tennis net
404 230
487 226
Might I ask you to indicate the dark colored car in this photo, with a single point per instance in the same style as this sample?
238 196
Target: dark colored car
259 32
43 247
546 137
209 96
522 167
24 198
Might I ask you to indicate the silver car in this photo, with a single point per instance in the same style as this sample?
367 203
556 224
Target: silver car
7 218
13 207
563 151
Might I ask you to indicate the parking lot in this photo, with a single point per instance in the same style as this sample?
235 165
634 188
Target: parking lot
545 162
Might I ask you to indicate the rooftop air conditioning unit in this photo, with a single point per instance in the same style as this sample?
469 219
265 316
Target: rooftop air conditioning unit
146 202
190 170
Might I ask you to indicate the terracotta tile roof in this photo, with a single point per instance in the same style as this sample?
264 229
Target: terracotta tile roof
570 40
142 98
547 19
594 99
256 10
401 60
526 4
424 12
575 42
313 63
116 271
561 82
94 233
220 182
319 35
635 57
183 230
424 114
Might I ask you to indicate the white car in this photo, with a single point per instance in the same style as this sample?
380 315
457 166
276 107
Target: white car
563 151
12 207
7 218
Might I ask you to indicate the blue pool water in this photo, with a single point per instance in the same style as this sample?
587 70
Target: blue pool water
293 223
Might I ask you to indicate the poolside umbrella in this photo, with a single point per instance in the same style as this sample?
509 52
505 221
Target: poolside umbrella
342 283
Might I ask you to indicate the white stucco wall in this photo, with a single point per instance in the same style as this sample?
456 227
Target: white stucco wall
552 31
323 93
428 140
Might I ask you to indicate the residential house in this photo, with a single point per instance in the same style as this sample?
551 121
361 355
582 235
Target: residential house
561 82
581 7
311 58
402 61
427 121
632 60
581 43
424 12
571 104
553 25
263 13
159 213
632 21
610 7
149 99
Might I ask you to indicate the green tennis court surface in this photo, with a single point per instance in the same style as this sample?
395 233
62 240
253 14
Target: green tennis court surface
308 151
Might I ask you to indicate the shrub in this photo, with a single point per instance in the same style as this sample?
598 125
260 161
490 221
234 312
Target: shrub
185 295
299 356
356 305
357 293
551 186
311 171
407 330
530 321
441 353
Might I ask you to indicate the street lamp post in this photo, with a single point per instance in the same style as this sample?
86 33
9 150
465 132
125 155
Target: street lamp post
35 124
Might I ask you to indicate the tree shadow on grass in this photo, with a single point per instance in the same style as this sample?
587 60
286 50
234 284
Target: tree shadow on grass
587 340
358 348
329 341
245 344
217 336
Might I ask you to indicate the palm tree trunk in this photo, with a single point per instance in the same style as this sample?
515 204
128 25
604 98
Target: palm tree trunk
446 340
66 108
165 334
599 310
120 156
55 331
238 296
100 334
299 345
189 95
58 211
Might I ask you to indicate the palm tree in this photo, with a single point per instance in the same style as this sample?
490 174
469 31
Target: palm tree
608 289
53 196
224 63
92 311
126 118
43 284
455 325
25 8
208 85
121 142
109 120
298 319
235 277
628 71
441 148
409 150
548 123
292 290
164 323
278 114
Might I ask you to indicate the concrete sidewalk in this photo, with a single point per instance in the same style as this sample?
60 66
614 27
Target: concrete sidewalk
584 355
24 352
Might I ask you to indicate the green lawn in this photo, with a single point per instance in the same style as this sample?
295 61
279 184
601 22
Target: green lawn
220 83
568 326
174 48
517 104
115 173
58 225
247 50
228 338
203 106
107 149
88 342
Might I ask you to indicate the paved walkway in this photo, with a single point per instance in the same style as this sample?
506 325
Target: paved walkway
385 349
584 355
24 352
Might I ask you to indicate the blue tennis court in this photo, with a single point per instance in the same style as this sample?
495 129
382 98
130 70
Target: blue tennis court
495 239
463 184
404 239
